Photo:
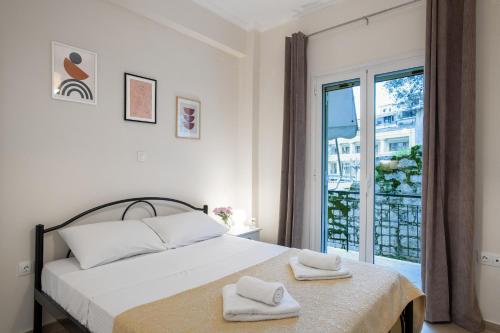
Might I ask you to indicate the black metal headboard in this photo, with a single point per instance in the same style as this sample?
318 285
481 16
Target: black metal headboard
40 228
119 202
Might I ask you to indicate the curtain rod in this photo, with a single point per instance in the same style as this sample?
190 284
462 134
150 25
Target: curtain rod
363 18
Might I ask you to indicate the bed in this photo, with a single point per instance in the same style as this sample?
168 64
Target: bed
180 289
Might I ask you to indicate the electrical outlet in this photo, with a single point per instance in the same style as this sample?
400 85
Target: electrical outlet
495 260
485 258
490 259
24 268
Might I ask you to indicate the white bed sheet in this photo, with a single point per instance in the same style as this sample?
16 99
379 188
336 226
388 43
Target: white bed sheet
97 295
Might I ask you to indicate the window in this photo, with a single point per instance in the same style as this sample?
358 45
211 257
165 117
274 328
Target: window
370 210
398 145
331 168
332 149
408 114
388 119
346 168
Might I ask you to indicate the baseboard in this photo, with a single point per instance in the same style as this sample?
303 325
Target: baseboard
492 327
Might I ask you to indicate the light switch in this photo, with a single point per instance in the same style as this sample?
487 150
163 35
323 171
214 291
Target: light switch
141 156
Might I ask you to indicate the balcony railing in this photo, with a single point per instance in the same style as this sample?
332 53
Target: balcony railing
397 224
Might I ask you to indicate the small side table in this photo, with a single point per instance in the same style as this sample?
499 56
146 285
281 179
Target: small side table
246 232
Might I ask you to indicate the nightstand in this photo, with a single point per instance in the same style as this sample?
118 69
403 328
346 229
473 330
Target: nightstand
246 232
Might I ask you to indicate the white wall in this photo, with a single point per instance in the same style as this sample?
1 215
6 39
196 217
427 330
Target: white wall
397 34
58 158
192 20
487 152
246 187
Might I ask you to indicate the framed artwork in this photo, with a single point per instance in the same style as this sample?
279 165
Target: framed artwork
188 118
74 74
140 99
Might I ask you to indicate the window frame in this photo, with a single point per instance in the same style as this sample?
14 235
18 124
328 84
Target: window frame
315 191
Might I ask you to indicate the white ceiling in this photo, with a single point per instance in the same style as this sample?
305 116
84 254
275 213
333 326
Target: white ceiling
262 14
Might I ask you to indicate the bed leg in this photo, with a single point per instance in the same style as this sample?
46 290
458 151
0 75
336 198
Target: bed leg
37 309
408 318
37 318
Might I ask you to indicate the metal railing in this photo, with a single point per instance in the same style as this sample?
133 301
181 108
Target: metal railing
396 224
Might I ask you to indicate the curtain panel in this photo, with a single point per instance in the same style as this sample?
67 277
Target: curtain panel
448 165
294 142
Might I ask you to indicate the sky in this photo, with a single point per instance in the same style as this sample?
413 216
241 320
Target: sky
382 97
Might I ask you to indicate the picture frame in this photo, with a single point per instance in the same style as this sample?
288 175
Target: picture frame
188 118
140 99
74 74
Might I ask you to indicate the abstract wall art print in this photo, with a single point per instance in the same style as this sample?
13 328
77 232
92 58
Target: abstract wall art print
74 74
188 118
140 99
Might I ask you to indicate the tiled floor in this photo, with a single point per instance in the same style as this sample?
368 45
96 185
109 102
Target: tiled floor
445 328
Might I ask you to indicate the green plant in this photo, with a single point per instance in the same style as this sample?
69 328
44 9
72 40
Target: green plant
389 175
340 206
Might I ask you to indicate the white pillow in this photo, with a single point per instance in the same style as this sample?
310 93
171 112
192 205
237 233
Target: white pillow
104 242
185 228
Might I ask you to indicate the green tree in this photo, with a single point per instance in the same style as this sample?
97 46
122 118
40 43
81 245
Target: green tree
407 91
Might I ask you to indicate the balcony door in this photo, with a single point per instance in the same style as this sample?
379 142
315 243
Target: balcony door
371 165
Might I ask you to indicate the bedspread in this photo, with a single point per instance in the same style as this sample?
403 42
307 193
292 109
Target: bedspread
371 301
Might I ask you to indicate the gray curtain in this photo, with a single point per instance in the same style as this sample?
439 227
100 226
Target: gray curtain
448 164
294 142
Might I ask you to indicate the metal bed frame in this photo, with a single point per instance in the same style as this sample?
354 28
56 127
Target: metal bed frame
44 301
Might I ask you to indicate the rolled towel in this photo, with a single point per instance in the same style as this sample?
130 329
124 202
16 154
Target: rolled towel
237 308
318 260
302 272
270 293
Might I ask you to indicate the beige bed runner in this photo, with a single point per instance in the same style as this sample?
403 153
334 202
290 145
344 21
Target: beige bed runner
371 301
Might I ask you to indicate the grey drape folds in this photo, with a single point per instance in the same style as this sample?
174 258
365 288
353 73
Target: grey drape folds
448 164
294 142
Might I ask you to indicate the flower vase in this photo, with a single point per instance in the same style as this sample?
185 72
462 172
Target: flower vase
227 222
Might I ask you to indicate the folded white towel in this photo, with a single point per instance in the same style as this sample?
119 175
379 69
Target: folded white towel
237 308
320 260
270 293
302 272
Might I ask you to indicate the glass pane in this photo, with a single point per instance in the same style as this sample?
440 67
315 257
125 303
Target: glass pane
398 170
342 113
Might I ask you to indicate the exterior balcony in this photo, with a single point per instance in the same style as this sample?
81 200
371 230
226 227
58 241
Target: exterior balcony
397 228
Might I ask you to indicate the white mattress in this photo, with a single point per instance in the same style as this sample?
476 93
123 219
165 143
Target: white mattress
97 295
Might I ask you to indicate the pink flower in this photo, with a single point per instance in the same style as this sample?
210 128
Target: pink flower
224 213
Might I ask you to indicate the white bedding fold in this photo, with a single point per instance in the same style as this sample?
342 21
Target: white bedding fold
237 308
96 296
302 272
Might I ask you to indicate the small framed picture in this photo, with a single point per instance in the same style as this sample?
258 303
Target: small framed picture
188 118
74 74
140 99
